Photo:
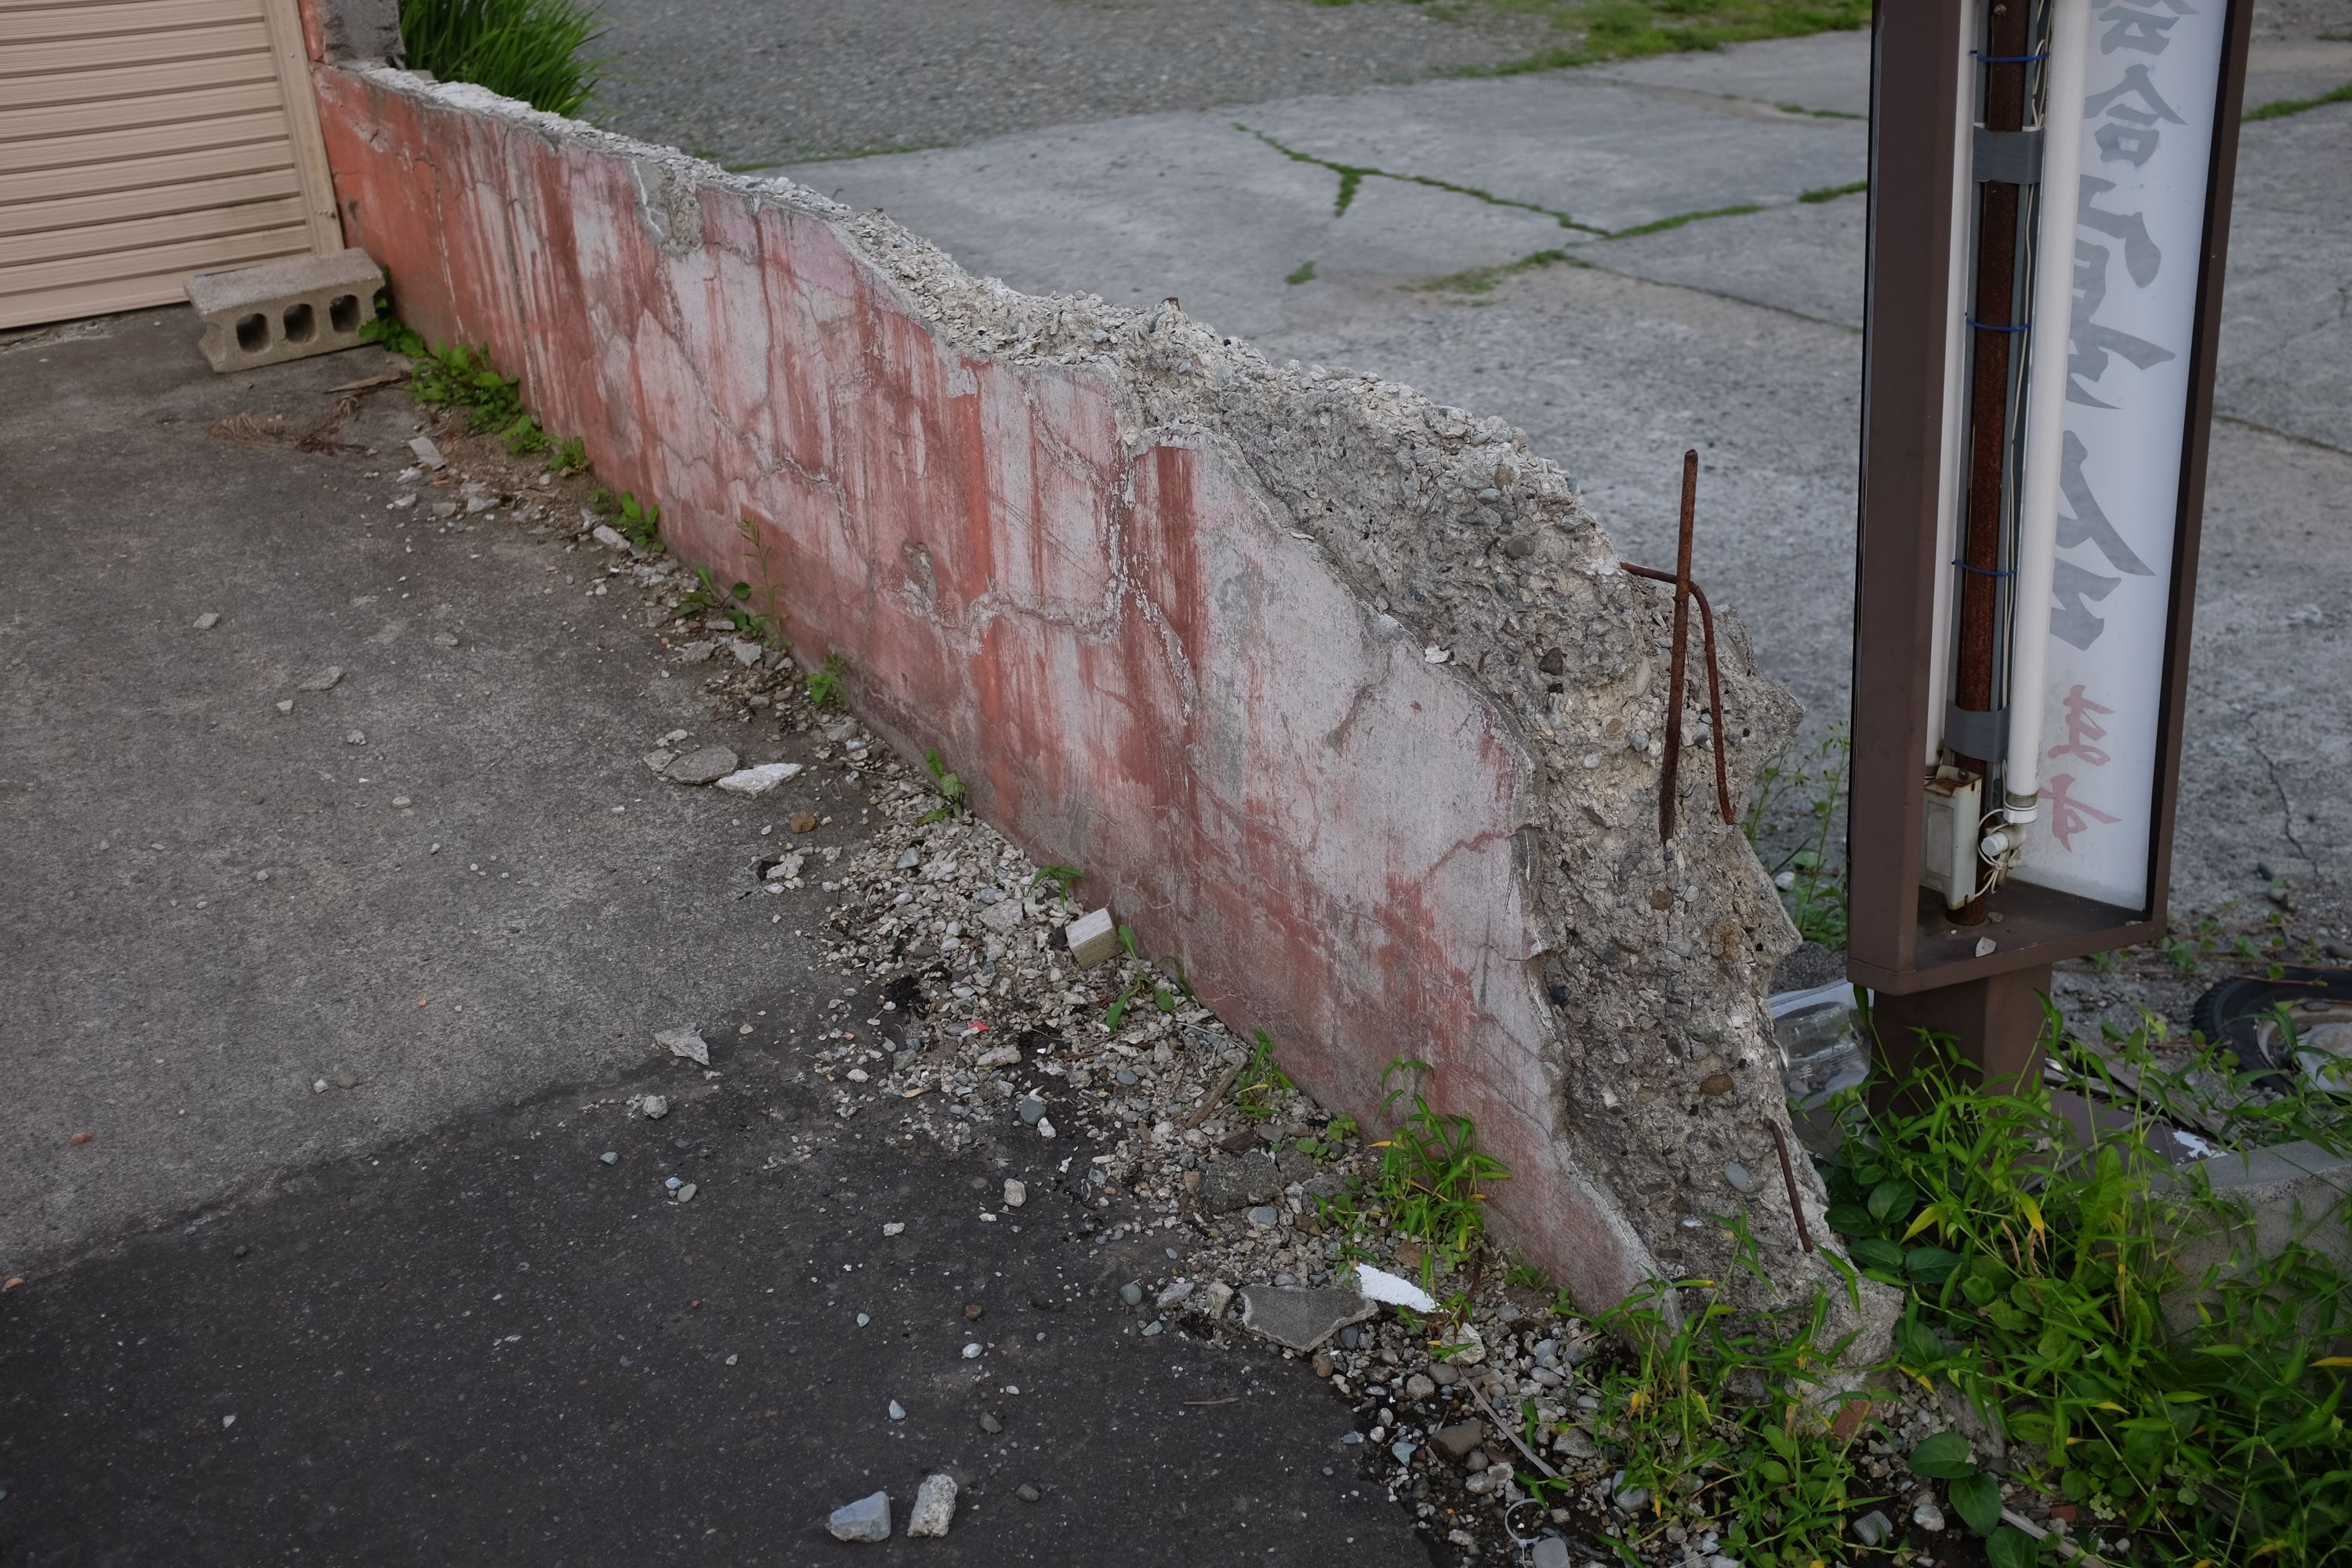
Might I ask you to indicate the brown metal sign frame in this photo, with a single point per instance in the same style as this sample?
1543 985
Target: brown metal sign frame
1900 939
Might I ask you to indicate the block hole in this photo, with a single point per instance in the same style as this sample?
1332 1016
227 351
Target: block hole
343 312
302 323
253 332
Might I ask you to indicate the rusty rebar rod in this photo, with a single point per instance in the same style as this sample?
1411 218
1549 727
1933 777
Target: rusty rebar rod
1788 1175
1681 649
1713 680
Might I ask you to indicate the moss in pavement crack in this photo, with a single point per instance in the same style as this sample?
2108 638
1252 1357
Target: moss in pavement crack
1352 175
2287 106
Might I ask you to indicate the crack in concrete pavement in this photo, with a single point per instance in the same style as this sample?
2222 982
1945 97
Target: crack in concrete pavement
1353 176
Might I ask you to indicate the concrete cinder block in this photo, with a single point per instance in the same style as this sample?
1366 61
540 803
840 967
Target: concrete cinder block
1093 937
287 309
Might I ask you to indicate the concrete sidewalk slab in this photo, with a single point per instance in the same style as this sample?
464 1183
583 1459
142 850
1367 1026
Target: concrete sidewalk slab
215 904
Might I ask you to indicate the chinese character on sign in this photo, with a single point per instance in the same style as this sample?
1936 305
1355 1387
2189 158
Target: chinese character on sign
2068 815
2081 730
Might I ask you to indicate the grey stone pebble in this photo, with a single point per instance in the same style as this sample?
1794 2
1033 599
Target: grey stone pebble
990 1424
1551 1552
935 1502
1263 1216
1418 1387
1131 1293
1737 1174
610 1156
1402 1451
1032 1109
1873 1528
1126 1077
1927 1516
867 1519
897 1411
707 765
1025 1492
1445 1374
209 620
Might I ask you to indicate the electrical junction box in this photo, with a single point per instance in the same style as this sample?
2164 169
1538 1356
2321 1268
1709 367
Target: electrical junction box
1948 849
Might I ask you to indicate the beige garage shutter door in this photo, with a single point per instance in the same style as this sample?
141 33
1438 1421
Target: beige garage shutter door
144 140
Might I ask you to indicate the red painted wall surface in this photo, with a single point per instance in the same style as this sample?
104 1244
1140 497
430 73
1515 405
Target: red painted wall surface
1117 642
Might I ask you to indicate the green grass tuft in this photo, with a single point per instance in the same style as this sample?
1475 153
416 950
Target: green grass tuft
528 49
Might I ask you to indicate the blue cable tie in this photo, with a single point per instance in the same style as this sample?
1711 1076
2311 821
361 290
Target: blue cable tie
2009 59
1983 571
1989 327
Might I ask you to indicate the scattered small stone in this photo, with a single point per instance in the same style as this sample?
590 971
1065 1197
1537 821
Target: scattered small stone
1927 1516
1263 1216
1300 1318
971 1351
1016 1194
1716 1083
1418 1388
1550 1552
911 858
1737 1174
1025 1492
325 680
610 1156
686 1043
1032 1109
445 639
1092 938
1402 1451
209 620
345 1079
654 1107
867 1519
897 1411
1172 1294
356 738
990 1424
611 538
746 654
707 765
78 1139
935 1503
695 652
685 1193
428 456
400 803
971 1311
1631 1499
804 822
1217 1297
319 1086
1323 1365
1445 1374
757 780
1872 1529
1131 1293
285 705
1456 1441
895 1228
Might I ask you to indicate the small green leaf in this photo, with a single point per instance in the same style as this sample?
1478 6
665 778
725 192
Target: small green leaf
2009 1547
741 590
1877 1252
1976 1497
1942 1458
1930 1265
1891 1199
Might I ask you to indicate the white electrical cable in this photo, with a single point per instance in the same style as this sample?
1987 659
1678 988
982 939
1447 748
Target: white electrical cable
2036 561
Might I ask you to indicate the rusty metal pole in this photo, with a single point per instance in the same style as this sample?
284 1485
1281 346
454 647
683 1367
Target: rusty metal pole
1668 783
1995 327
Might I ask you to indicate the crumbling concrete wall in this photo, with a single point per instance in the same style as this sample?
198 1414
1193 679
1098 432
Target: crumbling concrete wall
1338 694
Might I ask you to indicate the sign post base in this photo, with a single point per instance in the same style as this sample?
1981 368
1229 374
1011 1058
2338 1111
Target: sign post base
1995 1023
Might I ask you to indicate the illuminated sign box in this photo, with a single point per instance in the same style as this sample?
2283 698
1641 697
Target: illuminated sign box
2049 210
